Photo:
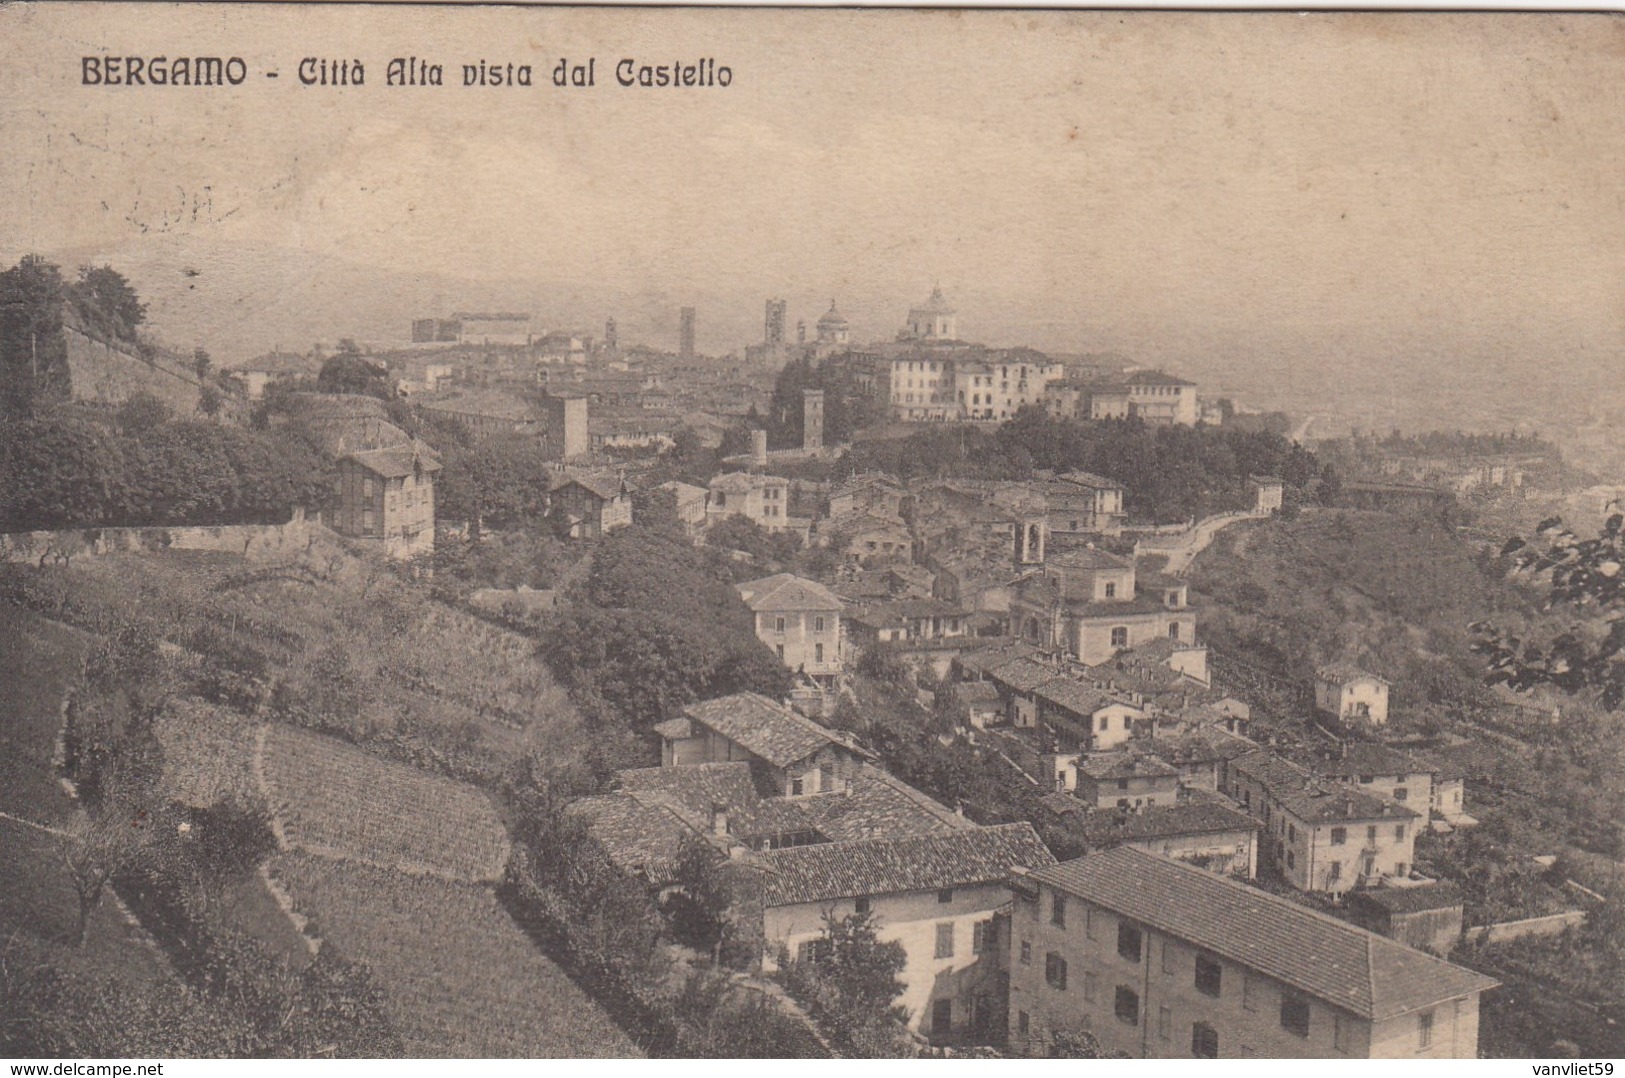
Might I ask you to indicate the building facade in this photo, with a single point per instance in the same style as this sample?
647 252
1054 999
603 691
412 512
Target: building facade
800 620
387 495
1160 959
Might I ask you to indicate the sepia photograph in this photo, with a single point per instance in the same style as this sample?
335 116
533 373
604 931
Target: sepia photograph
619 533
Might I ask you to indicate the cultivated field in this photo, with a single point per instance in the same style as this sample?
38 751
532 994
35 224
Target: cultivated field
461 980
208 753
340 802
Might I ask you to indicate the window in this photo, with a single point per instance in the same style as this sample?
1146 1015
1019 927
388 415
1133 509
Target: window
1024 1023
1057 911
1165 1022
1399 832
818 624
1088 923
1026 952
945 895
813 950
861 904
1371 834
1340 1033
1173 631
1367 780
1424 1029
1292 832
796 787
1291 859
1335 872
1055 971
366 486
1204 1041
1340 835
780 648
1122 784
1111 591
1105 721
778 625
1128 942
1120 636
1167 957
1208 975
1401 794
818 653
1091 986
1399 868
945 940
1127 1006
1294 1013
942 1017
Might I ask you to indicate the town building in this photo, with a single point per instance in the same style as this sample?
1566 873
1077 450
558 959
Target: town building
761 499
1427 917
1161 399
933 320
689 502
1081 502
584 506
387 496
939 896
1321 835
790 755
1269 494
262 371
1083 716
1160 959
1200 832
800 620
1088 603
1126 780
1351 695
1377 769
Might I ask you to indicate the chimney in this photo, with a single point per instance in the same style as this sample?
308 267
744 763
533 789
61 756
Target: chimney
719 819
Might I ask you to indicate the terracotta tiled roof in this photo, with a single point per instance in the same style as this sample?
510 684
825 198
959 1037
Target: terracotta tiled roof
398 461
1435 896
1203 745
697 787
770 731
1022 675
1108 828
786 591
889 866
1348 967
1126 765
1154 378
876 805
1365 758
1312 798
1343 672
1075 696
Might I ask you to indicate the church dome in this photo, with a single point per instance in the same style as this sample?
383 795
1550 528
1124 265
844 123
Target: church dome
832 318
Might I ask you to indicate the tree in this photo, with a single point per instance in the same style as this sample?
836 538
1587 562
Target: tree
94 848
105 301
141 414
350 372
202 362
1584 578
33 352
698 908
1079 1044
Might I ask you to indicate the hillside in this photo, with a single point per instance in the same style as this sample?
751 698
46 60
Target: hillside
1390 593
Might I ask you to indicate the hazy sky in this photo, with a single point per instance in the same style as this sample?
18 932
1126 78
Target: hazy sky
1321 190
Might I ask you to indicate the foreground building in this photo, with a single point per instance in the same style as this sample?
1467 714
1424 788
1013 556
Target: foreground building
937 895
387 496
1160 959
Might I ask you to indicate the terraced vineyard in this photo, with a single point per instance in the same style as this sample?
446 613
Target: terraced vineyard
460 978
337 801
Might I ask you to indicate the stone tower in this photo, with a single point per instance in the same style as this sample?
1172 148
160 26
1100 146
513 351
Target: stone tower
685 333
812 419
1031 535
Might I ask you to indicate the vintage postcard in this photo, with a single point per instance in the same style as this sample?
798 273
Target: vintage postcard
849 533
